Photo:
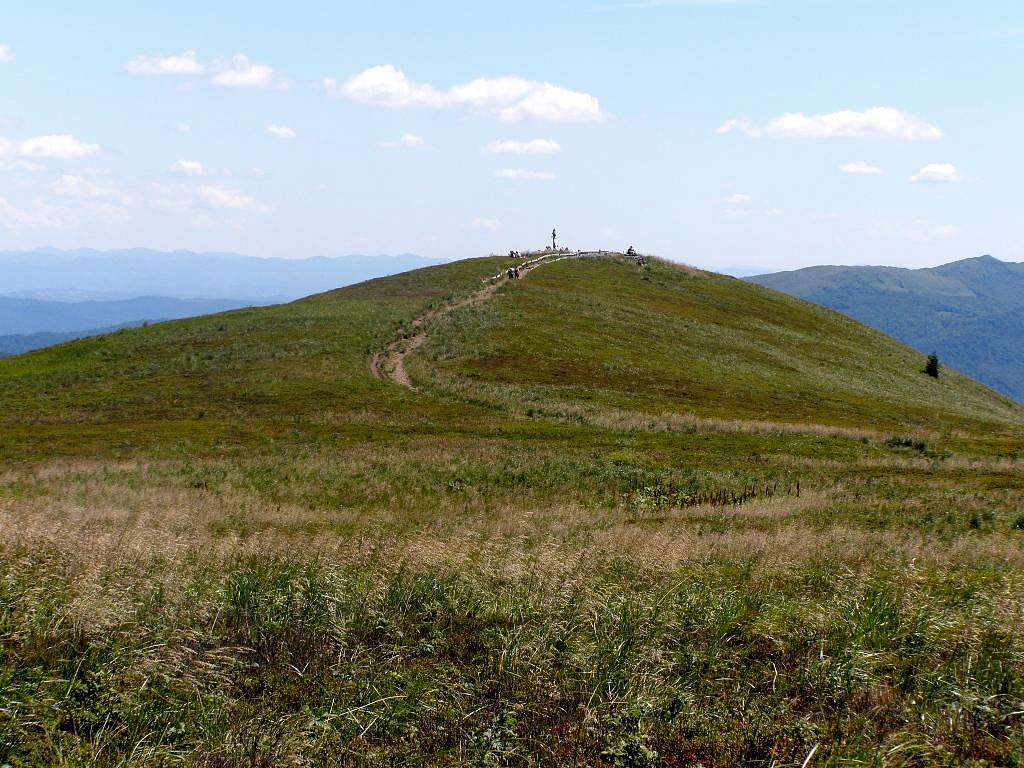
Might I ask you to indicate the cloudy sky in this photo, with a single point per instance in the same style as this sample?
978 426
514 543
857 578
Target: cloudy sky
768 133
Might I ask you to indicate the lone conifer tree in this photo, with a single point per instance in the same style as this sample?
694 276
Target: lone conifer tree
932 366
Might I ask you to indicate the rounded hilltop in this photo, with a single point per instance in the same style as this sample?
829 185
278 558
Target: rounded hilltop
594 332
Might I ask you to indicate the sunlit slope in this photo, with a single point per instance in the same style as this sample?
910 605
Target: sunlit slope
294 370
594 336
599 335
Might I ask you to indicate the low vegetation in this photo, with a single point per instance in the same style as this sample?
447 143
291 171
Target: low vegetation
631 517
968 311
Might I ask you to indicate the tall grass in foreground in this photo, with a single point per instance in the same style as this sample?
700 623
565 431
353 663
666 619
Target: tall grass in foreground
274 661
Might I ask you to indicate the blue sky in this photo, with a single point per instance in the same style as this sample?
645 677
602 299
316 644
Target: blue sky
769 133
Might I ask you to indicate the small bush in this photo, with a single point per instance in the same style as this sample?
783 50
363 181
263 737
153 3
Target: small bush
931 366
915 443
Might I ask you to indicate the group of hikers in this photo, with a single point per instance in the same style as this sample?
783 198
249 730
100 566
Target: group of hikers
640 260
513 273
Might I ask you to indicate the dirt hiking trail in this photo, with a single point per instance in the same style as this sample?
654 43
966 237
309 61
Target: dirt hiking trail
388 364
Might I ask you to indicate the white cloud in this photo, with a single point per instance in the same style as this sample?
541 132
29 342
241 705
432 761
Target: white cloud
937 173
874 123
169 197
188 168
489 225
104 210
533 147
183 128
242 72
42 214
774 212
508 98
738 199
75 186
9 159
184 63
280 131
385 86
39 216
408 141
81 188
58 146
861 168
926 232
734 124
21 165
6 56
239 72
219 197
520 175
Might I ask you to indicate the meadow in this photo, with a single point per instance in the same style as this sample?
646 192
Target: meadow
630 517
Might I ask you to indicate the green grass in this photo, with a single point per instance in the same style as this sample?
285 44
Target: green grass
632 517
660 338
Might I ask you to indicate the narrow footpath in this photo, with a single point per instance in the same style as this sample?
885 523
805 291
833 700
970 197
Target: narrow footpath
388 364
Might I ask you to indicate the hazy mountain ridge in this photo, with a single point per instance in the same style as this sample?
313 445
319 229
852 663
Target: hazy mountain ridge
20 343
32 316
185 274
969 312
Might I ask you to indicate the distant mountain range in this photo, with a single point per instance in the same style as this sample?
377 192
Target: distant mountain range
16 344
48 296
970 312
50 273
27 324
24 316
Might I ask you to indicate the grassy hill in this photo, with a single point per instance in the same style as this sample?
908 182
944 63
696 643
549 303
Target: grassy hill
630 516
663 338
970 312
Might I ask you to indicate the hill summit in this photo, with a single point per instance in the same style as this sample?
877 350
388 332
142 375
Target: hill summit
599 337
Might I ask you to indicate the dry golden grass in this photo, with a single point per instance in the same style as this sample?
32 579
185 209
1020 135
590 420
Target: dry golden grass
100 527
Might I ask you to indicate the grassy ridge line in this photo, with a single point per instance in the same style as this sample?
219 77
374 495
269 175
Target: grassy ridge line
232 379
709 346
